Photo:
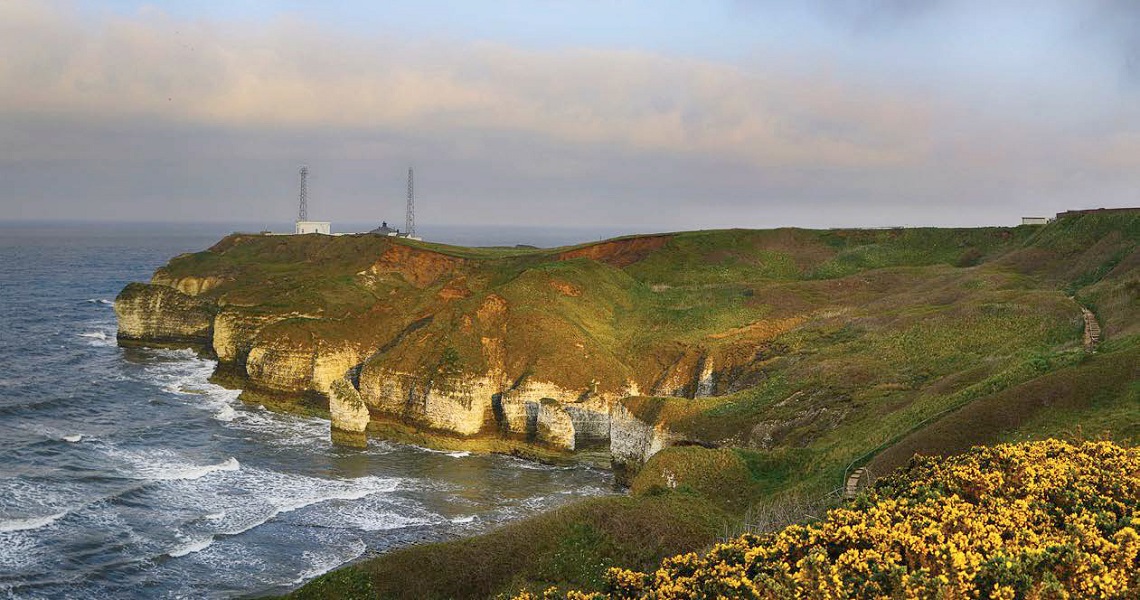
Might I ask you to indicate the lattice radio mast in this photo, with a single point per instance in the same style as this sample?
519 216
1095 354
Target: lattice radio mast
410 219
303 211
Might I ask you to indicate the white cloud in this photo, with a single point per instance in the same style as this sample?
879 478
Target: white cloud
797 128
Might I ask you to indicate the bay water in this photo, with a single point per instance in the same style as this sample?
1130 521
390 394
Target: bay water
125 473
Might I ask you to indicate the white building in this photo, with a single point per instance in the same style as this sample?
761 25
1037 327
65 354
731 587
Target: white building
1035 220
321 227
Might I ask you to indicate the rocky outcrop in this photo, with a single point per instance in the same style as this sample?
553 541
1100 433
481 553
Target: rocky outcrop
235 332
280 367
461 407
158 315
536 412
191 286
346 408
633 441
367 334
360 388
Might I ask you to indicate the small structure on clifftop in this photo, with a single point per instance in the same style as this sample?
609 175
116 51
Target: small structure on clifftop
304 225
410 223
383 229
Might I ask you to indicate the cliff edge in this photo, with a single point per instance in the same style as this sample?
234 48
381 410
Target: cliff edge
757 339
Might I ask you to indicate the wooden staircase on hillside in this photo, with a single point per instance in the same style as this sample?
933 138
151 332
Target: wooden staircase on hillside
1092 330
859 479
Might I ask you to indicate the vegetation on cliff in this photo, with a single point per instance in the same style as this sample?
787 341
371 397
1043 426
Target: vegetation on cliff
766 364
761 339
1036 520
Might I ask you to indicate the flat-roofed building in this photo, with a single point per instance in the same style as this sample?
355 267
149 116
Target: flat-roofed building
321 227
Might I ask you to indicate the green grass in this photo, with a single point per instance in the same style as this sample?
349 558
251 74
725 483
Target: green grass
567 547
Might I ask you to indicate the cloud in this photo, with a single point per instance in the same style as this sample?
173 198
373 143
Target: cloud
292 74
133 107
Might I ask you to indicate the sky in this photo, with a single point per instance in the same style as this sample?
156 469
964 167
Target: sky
622 114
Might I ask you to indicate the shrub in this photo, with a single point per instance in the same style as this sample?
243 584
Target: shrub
1037 520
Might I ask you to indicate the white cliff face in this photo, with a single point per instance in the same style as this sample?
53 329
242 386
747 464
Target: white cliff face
298 368
546 413
463 408
162 315
281 367
330 364
534 410
191 286
706 380
235 332
633 441
591 420
347 409
554 425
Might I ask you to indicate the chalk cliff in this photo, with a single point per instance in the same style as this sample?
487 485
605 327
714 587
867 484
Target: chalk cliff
516 345
762 339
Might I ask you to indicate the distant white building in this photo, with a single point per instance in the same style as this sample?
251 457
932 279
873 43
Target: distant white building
1035 220
321 227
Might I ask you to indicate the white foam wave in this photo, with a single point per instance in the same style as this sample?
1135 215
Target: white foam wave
103 301
451 453
195 472
322 564
380 514
280 493
462 520
183 374
191 547
226 413
30 522
165 465
98 337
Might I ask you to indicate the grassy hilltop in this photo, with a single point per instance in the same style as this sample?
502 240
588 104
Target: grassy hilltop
784 357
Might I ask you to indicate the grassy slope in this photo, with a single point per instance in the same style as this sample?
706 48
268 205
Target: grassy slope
573 545
902 340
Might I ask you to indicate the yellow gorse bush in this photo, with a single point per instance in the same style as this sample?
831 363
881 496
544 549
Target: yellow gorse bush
1036 520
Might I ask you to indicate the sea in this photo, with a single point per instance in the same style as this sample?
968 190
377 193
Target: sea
125 473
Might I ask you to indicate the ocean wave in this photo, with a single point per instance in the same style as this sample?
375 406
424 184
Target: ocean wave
30 523
323 563
226 413
451 453
98 337
102 301
165 465
380 514
191 547
271 495
183 373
